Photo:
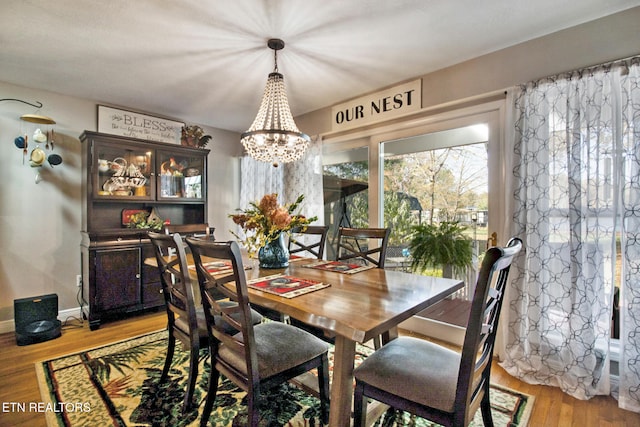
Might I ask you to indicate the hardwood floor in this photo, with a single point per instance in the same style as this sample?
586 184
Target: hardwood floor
18 379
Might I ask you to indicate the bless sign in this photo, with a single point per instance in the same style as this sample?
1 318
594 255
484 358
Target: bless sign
379 106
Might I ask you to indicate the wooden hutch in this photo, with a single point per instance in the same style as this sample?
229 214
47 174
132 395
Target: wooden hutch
123 176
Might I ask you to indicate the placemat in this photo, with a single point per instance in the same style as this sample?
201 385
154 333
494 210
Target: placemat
216 267
339 266
286 286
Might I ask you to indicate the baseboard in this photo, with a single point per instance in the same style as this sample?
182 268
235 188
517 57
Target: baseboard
10 326
434 329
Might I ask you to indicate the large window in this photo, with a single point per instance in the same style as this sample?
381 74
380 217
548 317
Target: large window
346 196
441 167
435 178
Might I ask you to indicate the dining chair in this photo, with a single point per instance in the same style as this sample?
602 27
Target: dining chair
190 230
354 243
434 382
186 319
298 240
258 357
185 322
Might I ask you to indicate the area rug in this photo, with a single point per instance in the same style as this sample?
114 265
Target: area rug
118 385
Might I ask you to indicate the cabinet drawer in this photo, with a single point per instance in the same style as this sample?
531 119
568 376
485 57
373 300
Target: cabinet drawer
152 295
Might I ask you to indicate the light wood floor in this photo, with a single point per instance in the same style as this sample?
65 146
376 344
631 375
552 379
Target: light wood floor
18 379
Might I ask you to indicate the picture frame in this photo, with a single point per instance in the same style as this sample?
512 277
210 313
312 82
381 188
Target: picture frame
116 121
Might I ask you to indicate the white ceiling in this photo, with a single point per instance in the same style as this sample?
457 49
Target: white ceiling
206 61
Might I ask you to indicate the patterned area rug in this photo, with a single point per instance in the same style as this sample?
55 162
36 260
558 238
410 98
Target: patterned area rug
118 384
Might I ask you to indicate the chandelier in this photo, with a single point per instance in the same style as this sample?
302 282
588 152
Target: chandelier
274 136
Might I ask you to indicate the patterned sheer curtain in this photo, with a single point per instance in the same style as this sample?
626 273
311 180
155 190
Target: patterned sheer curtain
288 180
577 209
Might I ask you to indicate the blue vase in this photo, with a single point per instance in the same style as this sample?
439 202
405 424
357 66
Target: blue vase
274 254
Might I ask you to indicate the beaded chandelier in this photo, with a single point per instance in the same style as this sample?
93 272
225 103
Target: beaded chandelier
274 136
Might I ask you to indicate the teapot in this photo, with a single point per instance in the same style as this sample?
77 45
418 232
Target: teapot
109 186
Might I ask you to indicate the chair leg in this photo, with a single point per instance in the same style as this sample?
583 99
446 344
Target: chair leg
211 396
191 381
253 396
485 407
323 387
167 361
359 406
377 342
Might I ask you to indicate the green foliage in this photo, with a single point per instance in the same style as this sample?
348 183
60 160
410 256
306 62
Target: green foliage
440 245
398 217
102 366
145 221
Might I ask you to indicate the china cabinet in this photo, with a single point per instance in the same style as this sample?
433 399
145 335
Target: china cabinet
123 177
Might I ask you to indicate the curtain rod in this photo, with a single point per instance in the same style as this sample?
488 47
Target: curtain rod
621 61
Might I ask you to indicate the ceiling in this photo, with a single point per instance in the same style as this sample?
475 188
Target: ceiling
206 61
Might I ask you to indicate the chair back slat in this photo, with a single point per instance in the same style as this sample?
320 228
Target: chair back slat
356 243
174 276
190 230
479 341
299 240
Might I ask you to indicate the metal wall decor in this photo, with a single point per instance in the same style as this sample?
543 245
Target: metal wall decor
36 139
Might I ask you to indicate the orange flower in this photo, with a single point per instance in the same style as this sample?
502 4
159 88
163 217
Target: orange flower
268 204
281 218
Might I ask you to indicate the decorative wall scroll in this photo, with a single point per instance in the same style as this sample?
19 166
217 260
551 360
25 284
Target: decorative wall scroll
115 121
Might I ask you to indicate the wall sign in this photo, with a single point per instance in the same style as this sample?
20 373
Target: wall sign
376 107
115 121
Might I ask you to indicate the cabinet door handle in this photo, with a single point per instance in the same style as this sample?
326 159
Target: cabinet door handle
138 276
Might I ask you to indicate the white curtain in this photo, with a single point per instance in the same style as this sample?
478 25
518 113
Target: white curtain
577 208
288 180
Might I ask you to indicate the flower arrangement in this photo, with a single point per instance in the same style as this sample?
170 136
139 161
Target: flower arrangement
263 222
145 220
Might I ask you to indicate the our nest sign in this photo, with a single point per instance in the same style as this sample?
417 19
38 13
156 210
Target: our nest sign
376 107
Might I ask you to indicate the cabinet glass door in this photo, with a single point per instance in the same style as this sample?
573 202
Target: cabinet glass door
180 176
122 172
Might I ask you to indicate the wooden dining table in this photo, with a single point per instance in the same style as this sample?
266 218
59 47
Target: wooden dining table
355 308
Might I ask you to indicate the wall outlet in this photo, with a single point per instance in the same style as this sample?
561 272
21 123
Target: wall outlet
78 280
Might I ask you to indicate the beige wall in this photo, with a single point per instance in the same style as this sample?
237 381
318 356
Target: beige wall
40 223
614 37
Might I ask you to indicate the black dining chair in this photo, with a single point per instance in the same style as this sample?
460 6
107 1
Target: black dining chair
434 382
368 245
258 357
310 239
186 323
185 318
